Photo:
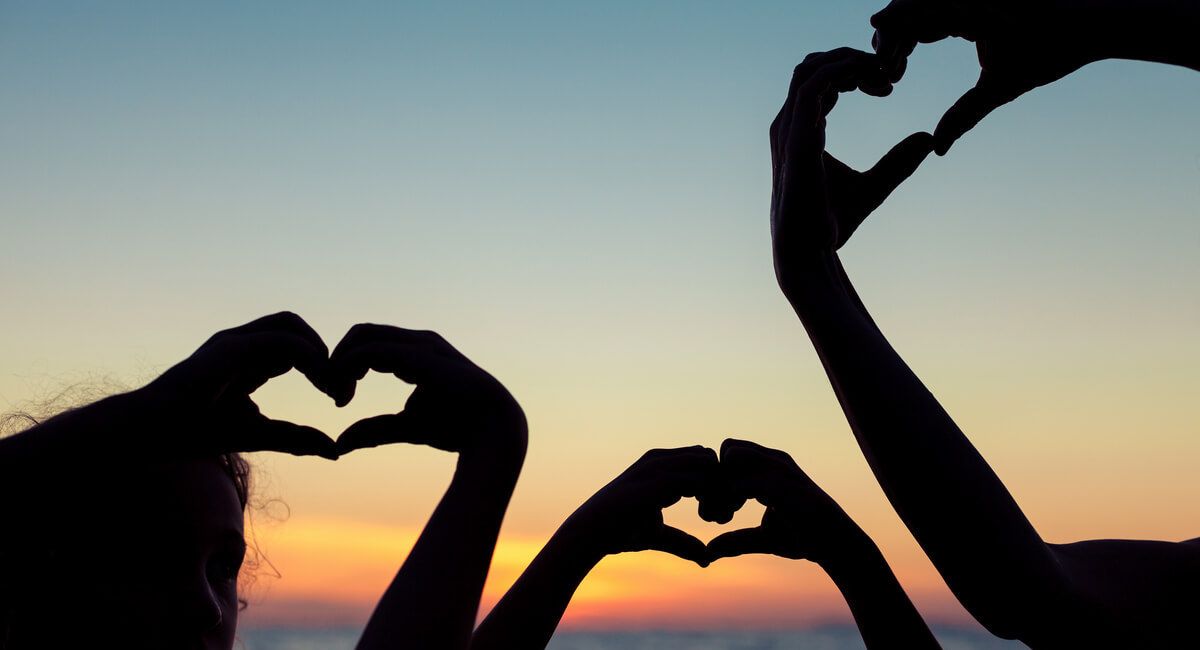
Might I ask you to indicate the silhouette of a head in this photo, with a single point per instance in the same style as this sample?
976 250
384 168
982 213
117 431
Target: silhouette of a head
133 555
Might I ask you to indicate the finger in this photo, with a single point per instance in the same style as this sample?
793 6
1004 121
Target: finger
680 544
414 363
291 323
736 445
968 111
740 542
675 473
286 321
896 166
719 505
368 334
379 430
924 21
285 437
365 333
246 361
876 86
814 99
840 74
802 72
893 50
754 471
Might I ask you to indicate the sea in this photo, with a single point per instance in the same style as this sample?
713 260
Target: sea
827 638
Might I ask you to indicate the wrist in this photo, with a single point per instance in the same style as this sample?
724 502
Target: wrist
500 450
500 464
575 542
853 556
802 279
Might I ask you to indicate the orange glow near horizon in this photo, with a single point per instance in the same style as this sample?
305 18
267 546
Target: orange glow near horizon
332 571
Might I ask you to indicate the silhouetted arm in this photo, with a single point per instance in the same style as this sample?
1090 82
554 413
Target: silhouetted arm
434 599
802 522
1159 31
1024 44
955 505
624 516
957 508
529 613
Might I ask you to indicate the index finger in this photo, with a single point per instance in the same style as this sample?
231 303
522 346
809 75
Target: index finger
755 471
781 126
814 98
413 362
367 346
246 361
684 472
903 24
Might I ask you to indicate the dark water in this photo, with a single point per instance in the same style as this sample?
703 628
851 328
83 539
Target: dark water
833 638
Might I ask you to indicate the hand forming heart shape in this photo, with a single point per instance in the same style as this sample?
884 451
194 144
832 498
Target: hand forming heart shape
801 521
205 399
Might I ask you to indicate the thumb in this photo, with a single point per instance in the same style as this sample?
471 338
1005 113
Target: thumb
281 436
897 165
376 431
740 542
969 110
680 544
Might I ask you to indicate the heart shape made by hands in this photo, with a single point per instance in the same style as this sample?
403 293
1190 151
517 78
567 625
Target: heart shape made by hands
685 515
454 404
290 398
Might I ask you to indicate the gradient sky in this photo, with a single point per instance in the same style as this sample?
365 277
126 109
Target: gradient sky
576 196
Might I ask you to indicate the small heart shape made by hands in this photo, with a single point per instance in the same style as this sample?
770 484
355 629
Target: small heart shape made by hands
453 405
798 520
685 515
290 398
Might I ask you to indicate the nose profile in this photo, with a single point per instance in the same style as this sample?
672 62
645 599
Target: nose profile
198 609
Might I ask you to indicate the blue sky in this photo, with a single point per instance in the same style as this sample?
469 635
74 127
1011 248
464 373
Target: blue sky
577 196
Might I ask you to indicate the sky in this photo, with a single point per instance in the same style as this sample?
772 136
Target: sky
576 197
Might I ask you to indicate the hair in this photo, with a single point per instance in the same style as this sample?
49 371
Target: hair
233 464
239 470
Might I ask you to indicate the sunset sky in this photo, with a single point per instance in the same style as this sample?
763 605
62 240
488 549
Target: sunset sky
576 197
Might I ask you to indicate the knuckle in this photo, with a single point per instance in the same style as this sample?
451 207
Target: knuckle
655 454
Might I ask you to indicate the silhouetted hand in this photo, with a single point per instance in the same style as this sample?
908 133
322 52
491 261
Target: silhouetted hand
1022 44
456 406
800 522
626 515
203 403
817 202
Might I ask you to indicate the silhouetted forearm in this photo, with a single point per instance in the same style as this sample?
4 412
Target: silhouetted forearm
884 614
530 612
1162 31
434 599
954 504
